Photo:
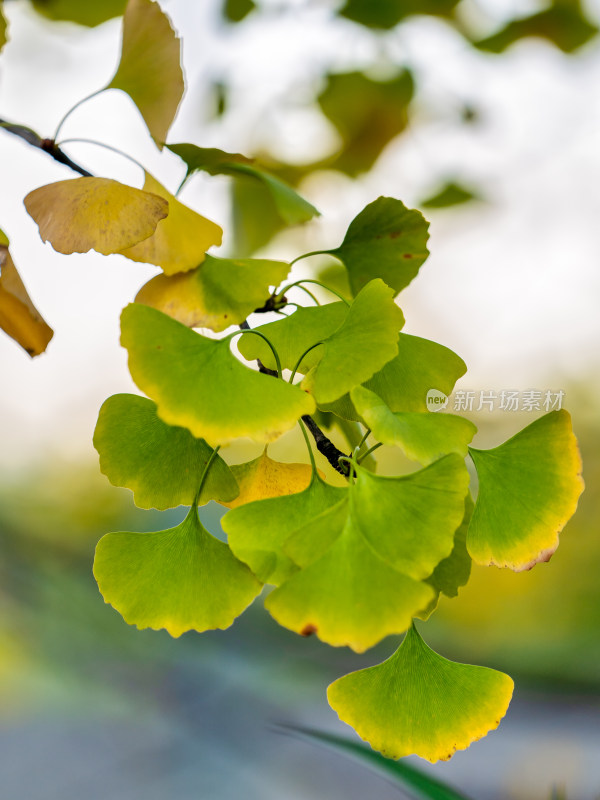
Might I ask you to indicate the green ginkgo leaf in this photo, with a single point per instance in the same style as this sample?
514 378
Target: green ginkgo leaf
404 382
220 293
348 596
563 23
19 318
450 194
257 531
365 341
410 521
386 14
180 579
453 571
3 28
292 208
89 14
316 535
423 436
418 702
82 214
386 240
161 464
180 241
197 383
294 335
528 490
150 67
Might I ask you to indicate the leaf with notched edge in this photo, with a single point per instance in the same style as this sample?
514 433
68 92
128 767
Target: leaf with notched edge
150 67
257 531
418 702
160 463
82 214
220 293
365 341
180 241
528 490
19 318
199 384
180 579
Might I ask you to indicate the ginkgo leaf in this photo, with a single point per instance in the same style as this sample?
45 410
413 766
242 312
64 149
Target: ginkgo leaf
161 464
220 293
386 240
454 570
410 521
237 10
262 478
366 113
19 318
99 214
422 436
528 490
293 208
448 195
386 14
294 335
180 241
563 23
199 384
365 341
348 596
180 579
89 14
3 29
257 531
150 67
312 539
418 702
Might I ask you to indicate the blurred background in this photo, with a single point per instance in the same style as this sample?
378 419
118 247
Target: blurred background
483 113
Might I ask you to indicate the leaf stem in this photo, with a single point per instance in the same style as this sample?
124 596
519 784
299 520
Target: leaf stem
310 452
213 455
295 370
106 147
262 336
72 109
318 283
368 452
312 253
362 441
310 294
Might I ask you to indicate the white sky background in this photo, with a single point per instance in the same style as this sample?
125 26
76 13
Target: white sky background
513 285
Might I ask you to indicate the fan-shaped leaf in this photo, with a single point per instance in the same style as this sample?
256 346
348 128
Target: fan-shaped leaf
100 214
262 478
161 464
292 208
257 531
222 292
294 335
418 702
19 318
150 67
180 241
198 383
180 579
410 521
89 14
364 342
367 114
528 490
348 596
423 436
386 240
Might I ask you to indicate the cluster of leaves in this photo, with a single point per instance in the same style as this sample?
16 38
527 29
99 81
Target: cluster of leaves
351 564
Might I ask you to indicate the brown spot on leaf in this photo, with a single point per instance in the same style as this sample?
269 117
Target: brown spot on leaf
308 630
407 255
395 234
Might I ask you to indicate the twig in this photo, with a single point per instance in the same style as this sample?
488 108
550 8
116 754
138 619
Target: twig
47 145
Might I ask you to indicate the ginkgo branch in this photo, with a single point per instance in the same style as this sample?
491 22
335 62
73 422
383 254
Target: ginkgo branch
47 145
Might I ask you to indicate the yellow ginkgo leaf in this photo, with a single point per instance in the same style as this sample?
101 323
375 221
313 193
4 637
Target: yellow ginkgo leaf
263 478
99 214
150 67
19 318
180 241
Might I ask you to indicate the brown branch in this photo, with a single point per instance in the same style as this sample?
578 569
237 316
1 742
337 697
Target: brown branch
47 145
